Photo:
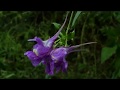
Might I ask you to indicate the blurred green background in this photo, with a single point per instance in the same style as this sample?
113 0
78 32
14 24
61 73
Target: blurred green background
99 61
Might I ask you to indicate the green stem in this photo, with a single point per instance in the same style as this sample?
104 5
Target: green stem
95 62
82 33
68 27
95 58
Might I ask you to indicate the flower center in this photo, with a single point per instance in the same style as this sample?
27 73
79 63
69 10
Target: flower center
35 51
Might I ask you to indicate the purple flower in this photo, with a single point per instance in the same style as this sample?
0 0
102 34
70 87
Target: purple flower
33 58
58 56
56 59
53 59
36 54
42 48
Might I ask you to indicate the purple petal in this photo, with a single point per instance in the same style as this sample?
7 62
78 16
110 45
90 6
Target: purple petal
31 55
38 40
41 51
35 60
50 68
58 54
49 64
58 66
64 65
61 65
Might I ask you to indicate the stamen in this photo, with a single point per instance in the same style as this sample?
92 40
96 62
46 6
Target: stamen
35 51
55 59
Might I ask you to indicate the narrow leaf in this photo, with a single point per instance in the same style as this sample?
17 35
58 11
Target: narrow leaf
57 26
75 18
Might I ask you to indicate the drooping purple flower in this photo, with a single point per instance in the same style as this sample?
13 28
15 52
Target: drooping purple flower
56 60
42 48
58 56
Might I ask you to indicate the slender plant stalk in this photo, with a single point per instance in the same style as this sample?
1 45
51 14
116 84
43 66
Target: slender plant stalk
82 34
68 28
95 61
95 38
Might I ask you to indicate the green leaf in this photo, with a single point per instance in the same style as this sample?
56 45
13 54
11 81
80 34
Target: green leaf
57 26
71 35
107 52
75 18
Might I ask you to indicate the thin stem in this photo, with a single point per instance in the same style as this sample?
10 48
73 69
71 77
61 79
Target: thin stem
68 27
82 33
95 58
95 62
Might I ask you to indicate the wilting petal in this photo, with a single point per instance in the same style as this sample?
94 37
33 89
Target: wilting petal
35 60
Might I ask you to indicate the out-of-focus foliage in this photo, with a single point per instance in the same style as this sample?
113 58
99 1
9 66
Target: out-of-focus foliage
101 60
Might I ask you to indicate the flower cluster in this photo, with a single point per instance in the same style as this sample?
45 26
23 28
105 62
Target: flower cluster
53 58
